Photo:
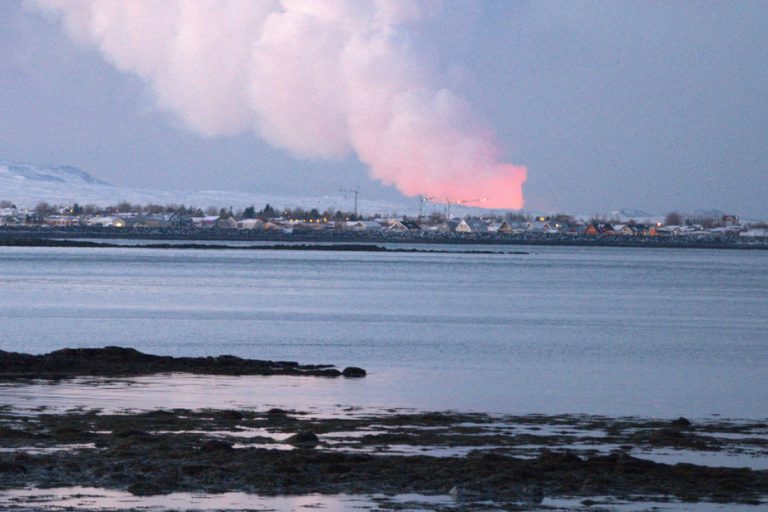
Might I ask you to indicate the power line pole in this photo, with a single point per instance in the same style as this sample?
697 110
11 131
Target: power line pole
355 191
422 200
460 202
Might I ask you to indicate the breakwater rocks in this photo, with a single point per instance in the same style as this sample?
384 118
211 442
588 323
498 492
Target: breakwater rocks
512 463
37 236
120 361
335 247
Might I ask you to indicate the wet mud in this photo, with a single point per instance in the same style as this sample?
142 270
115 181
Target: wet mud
481 461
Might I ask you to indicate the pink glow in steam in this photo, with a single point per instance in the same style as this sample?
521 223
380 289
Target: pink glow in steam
321 79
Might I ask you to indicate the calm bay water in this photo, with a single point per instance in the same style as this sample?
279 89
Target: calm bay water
587 330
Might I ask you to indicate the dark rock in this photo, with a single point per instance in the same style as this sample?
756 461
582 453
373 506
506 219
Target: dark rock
276 412
353 371
12 467
120 361
681 422
215 445
338 468
144 489
323 373
231 414
304 438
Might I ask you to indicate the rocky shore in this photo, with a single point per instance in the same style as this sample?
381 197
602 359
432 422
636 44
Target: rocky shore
483 462
338 247
119 361
27 235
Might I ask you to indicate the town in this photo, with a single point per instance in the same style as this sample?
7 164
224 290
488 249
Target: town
155 221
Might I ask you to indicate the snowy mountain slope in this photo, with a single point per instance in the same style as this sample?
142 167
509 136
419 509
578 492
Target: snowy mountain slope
34 174
26 185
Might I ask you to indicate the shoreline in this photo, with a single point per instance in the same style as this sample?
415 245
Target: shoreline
481 461
337 247
31 236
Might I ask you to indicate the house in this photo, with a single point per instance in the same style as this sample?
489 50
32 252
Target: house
178 220
412 225
457 225
396 226
115 222
250 224
363 225
640 229
61 220
205 222
726 231
755 233
625 230
537 226
668 231
599 229
9 217
504 227
592 229
227 223
10 220
477 225
154 221
442 227
274 225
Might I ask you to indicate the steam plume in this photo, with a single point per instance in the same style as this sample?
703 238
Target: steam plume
319 78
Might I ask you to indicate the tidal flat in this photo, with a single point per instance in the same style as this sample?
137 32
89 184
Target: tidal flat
443 460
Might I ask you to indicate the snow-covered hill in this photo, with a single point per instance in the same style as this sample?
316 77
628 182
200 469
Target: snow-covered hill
26 185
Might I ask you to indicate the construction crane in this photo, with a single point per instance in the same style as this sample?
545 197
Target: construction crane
352 191
423 199
449 202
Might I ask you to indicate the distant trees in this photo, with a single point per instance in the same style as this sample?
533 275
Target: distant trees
7 204
562 218
598 219
436 218
125 207
249 212
673 219
43 208
516 216
154 209
268 212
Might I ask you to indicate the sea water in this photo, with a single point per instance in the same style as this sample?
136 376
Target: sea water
616 331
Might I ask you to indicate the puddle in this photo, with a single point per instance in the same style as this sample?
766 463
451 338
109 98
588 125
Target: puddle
602 503
95 499
41 450
712 459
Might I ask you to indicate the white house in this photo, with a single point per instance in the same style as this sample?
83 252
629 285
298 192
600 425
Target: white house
755 233
250 224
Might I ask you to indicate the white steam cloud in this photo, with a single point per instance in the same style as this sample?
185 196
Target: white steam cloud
319 78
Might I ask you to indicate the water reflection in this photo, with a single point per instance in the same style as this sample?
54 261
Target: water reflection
90 498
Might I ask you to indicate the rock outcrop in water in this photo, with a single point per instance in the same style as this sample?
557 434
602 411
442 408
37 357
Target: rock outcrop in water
120 361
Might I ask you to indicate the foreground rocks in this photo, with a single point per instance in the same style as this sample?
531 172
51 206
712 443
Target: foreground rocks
288 452
119 361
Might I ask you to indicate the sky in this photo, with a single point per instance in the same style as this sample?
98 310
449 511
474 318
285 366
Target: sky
596 106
